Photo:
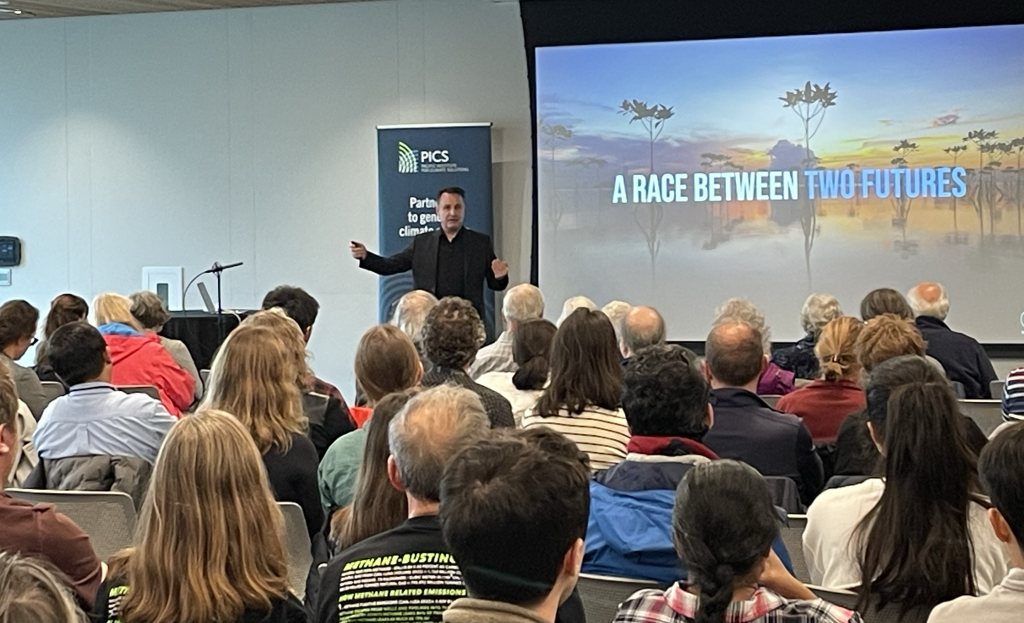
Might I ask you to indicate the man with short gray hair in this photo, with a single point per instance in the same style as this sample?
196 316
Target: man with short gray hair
523 302
407 573
962 356
411 314
642 326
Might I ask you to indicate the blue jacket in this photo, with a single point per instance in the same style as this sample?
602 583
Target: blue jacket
629 533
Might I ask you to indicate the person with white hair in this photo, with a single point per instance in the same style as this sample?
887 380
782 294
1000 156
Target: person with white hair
522 302
774 381
411 314
818 311
963 358
572 304
616 311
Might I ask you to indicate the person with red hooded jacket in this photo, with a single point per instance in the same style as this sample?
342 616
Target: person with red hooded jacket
139 358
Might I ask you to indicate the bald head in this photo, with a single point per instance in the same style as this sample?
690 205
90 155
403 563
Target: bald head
734 354
929 299
641 327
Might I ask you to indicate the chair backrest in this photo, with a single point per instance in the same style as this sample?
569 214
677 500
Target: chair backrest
785 493
988 414
793 537
297 544
149 390
996 388
872 614
771 399
205 376
108 517
602 595
53 390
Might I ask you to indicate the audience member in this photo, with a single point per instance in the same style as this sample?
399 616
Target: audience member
918 536
826 402
666 406
1012 401
95 418
962 356
376 506
800 358
210 541
885 301
746 428
616 311
17 333
253 378
514 514
25 457
38 530
64 309
583 399
773 381
522 302
999 468
531 351
451 337
30 592
723 526
328 416
884 337
572 304
641 327
408 573
386 362
411 314
149 311
301 307
139 358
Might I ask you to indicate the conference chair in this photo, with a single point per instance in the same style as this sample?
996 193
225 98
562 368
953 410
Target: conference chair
205 376
771 399
108 517
785 493
299 550
793 538
996 387
602 594
987 414
149 390
872 614
53 390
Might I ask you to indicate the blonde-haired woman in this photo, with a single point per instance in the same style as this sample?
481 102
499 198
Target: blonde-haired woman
386 362
210 541
138 357
328 416
253 378
829 400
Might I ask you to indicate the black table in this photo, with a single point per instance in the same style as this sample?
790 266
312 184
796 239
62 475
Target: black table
198 330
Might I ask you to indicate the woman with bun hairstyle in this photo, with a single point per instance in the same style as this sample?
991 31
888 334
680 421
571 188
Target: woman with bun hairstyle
531 352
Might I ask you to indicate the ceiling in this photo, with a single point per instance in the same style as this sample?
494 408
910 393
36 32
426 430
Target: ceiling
66 8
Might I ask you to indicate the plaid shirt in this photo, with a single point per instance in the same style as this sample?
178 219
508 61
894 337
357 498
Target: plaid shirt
496 357
676 605
320 386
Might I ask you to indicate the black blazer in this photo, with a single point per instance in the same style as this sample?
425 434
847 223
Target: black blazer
421 258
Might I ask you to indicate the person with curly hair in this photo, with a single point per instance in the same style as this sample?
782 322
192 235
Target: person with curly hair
452 335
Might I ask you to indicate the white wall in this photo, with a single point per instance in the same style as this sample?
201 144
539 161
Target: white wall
244 135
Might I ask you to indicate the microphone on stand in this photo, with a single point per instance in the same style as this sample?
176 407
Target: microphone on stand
216 270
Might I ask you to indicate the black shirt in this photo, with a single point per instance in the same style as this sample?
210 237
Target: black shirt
405 574
293 478
962 356
451 266
499 409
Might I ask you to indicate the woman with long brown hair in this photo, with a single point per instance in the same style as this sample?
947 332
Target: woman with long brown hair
837 394
583 399
210 541
386 362
253 377
64 309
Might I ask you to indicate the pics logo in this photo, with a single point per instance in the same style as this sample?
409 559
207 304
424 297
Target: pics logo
407 160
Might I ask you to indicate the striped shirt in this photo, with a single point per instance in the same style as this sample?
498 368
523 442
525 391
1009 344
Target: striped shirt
601 433
676 605
1013 396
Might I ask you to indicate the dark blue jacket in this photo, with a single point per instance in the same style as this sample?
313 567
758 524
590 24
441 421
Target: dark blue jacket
629 533
962 356
773 443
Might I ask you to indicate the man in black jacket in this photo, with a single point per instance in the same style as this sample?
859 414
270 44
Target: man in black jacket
453 261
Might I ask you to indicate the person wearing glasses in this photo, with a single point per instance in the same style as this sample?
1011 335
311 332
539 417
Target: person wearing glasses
18 320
